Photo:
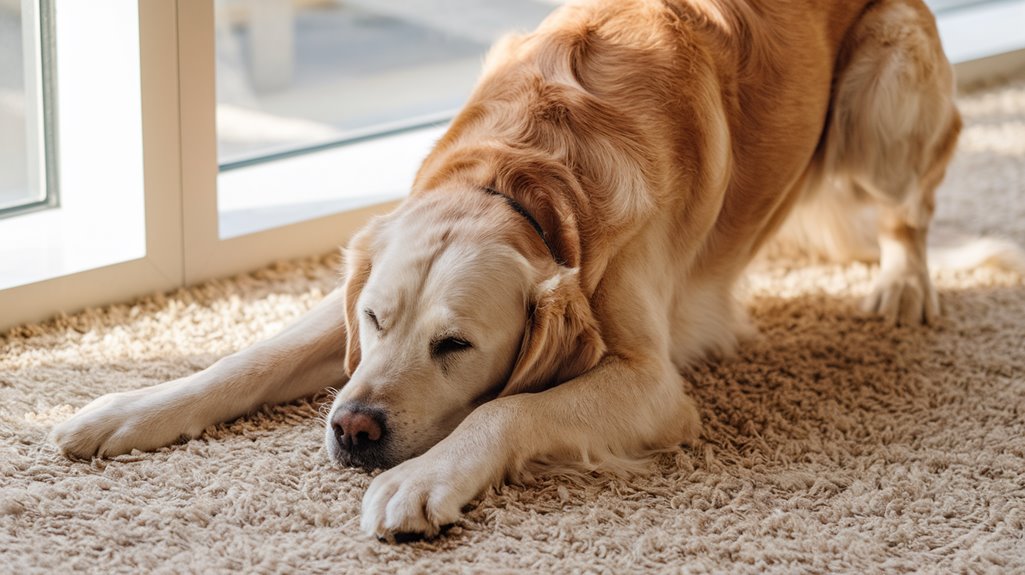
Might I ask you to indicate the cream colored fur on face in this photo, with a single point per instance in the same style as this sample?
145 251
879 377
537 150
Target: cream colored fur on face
659 146
429 282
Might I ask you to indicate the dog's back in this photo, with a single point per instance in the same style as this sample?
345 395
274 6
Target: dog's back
704 123
709 111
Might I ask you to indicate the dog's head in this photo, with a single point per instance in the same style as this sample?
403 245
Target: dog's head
451 301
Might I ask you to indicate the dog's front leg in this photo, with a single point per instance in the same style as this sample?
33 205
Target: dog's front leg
619 408
306 357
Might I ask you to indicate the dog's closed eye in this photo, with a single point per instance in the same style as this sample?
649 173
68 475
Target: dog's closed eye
373 318
448 346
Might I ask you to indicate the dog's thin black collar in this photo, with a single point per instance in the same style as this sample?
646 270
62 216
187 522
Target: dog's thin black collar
518 207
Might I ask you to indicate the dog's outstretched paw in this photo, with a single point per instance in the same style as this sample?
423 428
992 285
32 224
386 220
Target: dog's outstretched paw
117 423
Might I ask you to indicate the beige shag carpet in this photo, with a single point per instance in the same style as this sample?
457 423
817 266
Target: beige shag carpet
831 444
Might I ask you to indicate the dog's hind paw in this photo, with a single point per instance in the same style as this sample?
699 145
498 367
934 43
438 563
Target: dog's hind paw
904 299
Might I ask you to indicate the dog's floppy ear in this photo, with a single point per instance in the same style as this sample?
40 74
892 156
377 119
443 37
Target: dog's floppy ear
562 339
355 272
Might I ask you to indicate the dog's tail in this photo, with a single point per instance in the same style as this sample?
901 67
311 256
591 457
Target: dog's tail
834 227
978 252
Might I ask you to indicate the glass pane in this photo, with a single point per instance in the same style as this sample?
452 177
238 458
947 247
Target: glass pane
944 5
297 74
17 158
102 218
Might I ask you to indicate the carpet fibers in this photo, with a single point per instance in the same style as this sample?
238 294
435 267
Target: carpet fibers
831 444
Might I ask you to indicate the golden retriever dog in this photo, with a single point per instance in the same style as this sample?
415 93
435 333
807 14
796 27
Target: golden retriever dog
571 244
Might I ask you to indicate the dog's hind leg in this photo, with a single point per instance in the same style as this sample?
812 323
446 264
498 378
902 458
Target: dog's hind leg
892 131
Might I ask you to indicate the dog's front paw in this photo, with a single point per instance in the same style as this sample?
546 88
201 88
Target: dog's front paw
904 298
417 498
117 423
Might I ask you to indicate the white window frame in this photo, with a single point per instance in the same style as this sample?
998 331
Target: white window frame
206 255
32 53
160 269
180 177
180 173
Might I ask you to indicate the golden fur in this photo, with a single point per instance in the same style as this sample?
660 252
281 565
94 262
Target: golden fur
659 145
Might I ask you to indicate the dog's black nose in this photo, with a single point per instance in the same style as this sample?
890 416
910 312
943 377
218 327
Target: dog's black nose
357 428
